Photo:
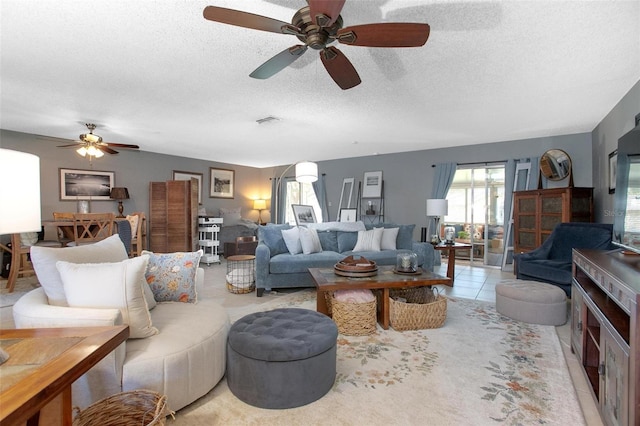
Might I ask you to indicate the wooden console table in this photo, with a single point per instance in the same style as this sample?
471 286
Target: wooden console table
42 365
605 332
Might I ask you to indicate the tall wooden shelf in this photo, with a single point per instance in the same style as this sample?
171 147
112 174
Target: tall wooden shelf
605 333
536 212
363 206
173 216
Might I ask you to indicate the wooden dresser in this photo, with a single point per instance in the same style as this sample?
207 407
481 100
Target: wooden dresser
605 333
536 212
173 216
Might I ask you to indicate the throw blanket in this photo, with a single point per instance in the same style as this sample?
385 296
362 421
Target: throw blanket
247 223
338 226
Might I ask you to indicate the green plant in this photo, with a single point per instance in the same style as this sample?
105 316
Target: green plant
463 235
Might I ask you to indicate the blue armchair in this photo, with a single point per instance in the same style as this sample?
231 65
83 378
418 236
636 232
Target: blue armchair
551 262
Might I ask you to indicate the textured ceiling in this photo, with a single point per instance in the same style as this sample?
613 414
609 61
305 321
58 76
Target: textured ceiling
157 74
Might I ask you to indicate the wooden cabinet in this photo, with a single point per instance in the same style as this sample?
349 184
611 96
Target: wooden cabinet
605 333
536 212
173 216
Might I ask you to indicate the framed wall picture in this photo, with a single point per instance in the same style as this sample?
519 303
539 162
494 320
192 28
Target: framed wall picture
222 183
613 168
348 215
372 185
303 214
85 184
180 175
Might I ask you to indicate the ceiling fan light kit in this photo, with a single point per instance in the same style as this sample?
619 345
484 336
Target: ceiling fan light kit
92 145
317 26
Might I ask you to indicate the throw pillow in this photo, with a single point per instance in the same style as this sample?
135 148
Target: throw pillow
347 241
405 234
44 263
133 222
230 217
389 236
369 240
292 240
271 236
309 240
172 276
110 285
328 240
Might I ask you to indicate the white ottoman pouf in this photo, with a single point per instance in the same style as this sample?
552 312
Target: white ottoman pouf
532 302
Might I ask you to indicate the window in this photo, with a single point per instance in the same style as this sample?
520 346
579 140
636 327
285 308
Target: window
300 193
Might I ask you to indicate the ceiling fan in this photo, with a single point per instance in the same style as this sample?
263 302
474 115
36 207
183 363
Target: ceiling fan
317 26
92 145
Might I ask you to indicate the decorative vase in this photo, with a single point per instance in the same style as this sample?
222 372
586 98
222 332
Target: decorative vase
407 262
449 234
84 206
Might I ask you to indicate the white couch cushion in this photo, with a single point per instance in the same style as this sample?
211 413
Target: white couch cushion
369 240
309 240
111 285
44 263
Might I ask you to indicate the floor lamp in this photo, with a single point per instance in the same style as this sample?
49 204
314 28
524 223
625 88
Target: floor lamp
306 171
437 208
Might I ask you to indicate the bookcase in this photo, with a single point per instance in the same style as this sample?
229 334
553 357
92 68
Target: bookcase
605 334
536 212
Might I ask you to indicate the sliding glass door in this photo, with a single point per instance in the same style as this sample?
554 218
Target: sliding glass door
476 210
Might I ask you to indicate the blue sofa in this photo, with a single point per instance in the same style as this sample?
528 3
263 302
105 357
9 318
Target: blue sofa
277 268
551 262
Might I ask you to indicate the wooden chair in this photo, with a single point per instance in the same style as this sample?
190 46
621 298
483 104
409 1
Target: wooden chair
20 263
139 237
65 233
89 228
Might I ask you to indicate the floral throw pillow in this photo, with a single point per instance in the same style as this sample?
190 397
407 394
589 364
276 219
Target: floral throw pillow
172 276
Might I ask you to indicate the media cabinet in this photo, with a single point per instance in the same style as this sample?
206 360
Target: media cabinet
605 334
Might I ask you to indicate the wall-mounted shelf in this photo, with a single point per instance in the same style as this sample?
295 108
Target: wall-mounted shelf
371 209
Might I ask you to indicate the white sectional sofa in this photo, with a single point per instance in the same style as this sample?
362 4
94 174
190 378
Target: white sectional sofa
184 360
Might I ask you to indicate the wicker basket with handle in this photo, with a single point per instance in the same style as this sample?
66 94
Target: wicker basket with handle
424 308
134 408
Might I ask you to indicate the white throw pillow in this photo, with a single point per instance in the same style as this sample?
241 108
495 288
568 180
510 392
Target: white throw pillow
369 240
44 263
230 217
389 237
111 285
309 240
292 240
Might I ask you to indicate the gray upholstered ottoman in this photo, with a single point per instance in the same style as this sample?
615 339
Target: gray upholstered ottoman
532 302
282 358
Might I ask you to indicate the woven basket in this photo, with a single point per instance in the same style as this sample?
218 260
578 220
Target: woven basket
135 408
422 309
354 319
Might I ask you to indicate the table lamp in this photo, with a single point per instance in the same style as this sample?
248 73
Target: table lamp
259 205
119 194
21 200
437 208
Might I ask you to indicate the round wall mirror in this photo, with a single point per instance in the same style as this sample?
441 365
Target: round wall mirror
555 164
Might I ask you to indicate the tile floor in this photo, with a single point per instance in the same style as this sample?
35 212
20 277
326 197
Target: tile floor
477 282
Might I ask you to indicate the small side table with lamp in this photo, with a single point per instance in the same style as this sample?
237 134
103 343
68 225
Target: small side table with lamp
259 205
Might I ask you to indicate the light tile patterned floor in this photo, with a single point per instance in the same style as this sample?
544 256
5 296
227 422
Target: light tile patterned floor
478 282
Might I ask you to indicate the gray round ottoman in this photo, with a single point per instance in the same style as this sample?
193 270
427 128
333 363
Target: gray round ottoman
282 358
532 302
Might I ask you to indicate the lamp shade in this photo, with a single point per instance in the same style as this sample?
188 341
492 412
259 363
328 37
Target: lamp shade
19 192
437 207
306 171
119 193
259 204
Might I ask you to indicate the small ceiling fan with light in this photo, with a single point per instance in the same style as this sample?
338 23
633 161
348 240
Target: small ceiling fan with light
92 145
318 25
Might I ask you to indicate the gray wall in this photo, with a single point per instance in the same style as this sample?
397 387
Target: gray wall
408 176
605 137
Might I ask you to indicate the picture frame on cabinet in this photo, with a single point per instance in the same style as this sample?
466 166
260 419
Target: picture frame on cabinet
372 185
613 168
348 215
93 185
180 175
222 183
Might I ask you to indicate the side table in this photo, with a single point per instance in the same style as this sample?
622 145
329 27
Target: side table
451 249
241 275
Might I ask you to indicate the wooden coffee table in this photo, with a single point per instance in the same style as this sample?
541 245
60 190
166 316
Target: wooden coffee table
326 280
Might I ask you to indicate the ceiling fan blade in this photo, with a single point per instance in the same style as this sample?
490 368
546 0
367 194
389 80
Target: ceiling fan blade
247 20
392 34
339 68
279 62
71 144
325 12
106 149
122 145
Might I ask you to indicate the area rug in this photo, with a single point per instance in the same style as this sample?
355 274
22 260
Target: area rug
9 299
480 368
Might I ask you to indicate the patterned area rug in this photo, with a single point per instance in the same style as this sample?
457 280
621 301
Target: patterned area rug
479 368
